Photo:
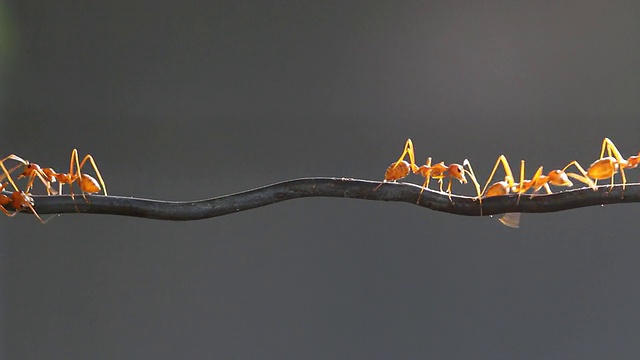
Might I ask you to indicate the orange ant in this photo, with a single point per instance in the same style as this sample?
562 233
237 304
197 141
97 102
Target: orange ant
401 169
440 171
19 199
606 167
539 180
31 171
87 183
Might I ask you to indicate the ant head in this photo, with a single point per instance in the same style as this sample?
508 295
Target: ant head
29 170
633 161
457 171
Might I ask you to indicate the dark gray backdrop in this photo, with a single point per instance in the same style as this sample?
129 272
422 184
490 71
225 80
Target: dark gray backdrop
193 99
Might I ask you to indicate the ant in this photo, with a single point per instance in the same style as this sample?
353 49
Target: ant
539 180
19 199
440 171
87 183
606 167
401 169
48 175
31 171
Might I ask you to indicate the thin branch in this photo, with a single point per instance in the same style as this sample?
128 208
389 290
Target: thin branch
333 187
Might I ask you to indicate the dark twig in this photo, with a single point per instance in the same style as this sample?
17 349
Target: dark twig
333 187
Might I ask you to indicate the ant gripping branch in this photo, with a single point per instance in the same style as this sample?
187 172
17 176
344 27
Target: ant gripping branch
86 182
48 175
539 180
401 169
607 167
440 171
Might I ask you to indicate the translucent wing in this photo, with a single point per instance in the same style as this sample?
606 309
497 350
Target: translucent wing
511 220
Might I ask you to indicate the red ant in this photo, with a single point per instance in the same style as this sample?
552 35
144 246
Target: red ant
19 199
31 171
48 175
539 180
400 169
606 167
87 183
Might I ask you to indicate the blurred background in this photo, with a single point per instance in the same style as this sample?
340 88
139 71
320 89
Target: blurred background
184 100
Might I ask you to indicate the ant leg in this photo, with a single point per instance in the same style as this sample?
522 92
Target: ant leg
427 177
507 169
7 212
34 212
602 149
539 181
74 159
521 187
95 168
6 172
582 178
441 182
5 200
408 150
613 151
45 182
472 175
16 158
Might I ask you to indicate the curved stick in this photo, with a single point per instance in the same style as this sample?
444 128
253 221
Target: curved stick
333 187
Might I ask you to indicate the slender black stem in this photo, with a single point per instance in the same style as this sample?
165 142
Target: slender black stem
333 187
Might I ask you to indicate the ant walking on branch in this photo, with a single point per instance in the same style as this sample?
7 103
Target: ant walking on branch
539 180
87 183
607 167
401 169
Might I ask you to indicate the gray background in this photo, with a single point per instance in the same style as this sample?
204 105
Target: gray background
191 99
